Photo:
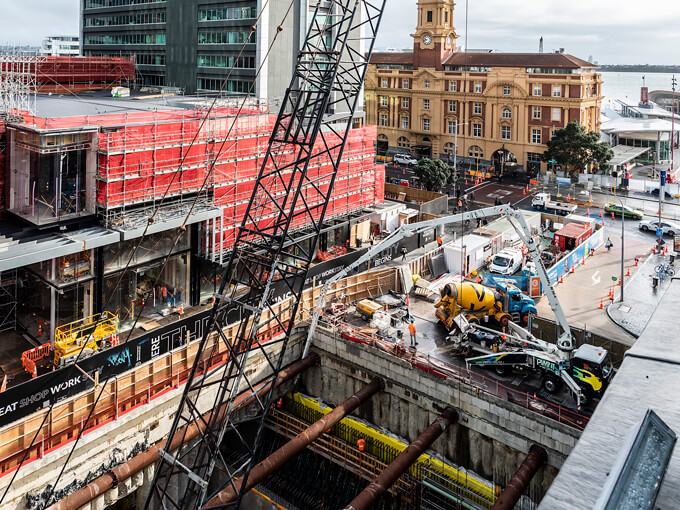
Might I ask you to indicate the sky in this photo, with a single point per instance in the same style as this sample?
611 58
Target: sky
613 32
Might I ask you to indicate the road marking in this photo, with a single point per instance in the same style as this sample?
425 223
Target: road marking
596 279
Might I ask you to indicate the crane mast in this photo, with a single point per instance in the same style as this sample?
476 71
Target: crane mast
314 121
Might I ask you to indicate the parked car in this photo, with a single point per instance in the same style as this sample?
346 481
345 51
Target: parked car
404 159
669 228
666 194
628 212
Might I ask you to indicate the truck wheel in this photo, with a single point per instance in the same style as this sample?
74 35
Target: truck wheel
473 320
551 383
525 318
504 320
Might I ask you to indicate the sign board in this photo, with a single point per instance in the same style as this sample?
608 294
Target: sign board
676 243
663 178
534 286
533 182
659 232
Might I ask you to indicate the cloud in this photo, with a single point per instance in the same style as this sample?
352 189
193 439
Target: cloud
620 32
28 22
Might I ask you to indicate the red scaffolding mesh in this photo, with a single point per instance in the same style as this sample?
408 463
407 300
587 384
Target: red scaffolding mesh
77 74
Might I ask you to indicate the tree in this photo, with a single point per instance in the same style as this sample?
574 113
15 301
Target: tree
432 173
573 148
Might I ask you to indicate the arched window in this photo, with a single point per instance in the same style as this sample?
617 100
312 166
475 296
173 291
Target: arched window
402 141
507 114
475 152
382 138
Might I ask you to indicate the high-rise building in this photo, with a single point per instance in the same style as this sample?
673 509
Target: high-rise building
504 106
60 46
193 44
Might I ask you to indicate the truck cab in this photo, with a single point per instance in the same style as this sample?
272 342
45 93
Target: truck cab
516 303
540 200
506 262
592 369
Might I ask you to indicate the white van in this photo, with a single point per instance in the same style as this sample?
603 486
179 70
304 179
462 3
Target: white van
405 159
507 262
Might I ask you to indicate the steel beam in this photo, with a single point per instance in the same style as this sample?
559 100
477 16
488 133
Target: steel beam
521 479
400 465
295 445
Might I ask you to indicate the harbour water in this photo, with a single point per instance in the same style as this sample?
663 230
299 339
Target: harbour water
626 86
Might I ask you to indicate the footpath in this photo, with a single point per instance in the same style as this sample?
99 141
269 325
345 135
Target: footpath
640 297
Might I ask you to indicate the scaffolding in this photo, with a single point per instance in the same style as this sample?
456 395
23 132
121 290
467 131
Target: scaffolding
18 78
8 300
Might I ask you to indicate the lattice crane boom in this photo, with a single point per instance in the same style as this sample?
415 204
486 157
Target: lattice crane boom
270 251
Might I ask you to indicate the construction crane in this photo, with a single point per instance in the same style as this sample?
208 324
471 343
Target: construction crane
269 248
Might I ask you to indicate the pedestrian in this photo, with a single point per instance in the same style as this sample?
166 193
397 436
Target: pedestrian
439 240
472 196
403 254
465 197
412 330
609 245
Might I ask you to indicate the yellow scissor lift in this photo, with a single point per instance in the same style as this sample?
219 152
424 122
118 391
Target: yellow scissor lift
88 335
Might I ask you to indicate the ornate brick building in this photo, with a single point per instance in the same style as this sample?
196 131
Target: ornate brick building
503 105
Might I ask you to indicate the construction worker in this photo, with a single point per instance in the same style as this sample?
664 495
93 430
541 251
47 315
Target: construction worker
412 330
439 240
403 254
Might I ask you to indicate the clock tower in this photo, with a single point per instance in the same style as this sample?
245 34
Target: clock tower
435 37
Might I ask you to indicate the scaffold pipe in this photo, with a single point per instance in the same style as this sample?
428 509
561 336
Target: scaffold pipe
137 463
521 479
400 465
296 445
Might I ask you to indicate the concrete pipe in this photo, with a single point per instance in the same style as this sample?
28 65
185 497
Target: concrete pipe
137 463
295 445
400 465
521 479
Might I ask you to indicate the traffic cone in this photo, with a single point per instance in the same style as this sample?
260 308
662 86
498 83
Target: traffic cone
407 301
636 261
627 271
561 278
588 211
572 269
600 214
524 192
603 222
583 261
618 282
613 216
568 197
181 308
601 304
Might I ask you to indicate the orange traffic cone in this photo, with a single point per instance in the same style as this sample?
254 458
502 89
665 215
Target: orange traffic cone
612 215
627 271
603 222
561 278
601 304
583 261
572 269
588 211
181 308
524 192
600 214
407 301
636 261
618 282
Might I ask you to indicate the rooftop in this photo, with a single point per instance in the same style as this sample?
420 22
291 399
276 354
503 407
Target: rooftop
492 59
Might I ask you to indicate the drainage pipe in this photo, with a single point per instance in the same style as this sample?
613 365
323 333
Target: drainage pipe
521 479
295 445
400 465
140 461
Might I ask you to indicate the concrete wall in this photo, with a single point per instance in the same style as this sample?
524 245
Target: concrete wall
114 443
492 437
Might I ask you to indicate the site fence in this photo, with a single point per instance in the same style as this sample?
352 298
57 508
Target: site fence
478 382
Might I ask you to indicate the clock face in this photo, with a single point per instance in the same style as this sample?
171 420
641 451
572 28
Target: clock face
448 40
427 39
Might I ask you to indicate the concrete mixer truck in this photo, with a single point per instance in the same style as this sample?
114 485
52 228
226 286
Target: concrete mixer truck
476 301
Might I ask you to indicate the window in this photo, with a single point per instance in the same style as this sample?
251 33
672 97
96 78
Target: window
537 90
506 114
478 87
556 114
506 90
227 13
557 91
404 83
452 86
383 100
446 16
429 16
475 152
383 120
452 107
225 61
228 37
404 102
384 83
426 124
426 104
535 136
537 112
402 141
505 132
404 123
451 125
477 130
449 148
478 108
427 84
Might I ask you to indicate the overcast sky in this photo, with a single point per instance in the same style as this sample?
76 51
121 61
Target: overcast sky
613 32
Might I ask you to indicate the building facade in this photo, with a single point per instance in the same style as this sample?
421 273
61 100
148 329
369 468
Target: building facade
60 46
498 109
193 45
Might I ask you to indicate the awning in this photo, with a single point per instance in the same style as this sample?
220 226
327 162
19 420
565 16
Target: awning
624 154
22 249
132 225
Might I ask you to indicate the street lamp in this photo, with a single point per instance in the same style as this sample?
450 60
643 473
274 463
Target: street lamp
455 145
623 216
